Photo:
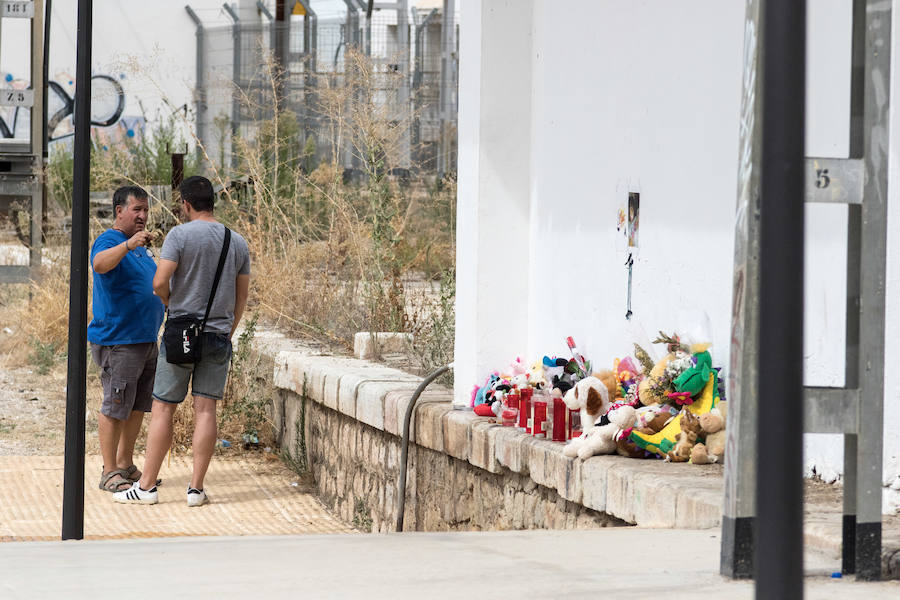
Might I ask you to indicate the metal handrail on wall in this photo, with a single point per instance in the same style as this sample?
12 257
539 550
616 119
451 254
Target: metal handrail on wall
404 450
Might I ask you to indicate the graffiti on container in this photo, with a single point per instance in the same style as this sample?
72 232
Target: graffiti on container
107 105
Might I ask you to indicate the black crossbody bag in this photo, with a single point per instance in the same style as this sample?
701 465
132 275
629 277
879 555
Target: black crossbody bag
182 335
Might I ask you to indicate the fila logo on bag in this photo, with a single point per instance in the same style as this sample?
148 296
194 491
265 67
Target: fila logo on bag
185 341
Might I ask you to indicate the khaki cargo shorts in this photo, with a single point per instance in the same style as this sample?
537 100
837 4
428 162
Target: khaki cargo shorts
127 372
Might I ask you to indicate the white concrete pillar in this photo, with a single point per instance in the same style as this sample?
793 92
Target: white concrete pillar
494 189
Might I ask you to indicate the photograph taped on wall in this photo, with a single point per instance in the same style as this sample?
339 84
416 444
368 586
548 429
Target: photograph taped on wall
633 225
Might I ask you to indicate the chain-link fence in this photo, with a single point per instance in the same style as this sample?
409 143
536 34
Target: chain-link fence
398 67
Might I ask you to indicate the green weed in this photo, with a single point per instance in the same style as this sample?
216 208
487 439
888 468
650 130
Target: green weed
43 356
362 517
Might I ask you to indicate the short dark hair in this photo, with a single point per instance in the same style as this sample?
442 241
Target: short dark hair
121 195
198 192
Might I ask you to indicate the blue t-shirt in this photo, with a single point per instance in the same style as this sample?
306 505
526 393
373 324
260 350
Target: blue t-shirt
125 309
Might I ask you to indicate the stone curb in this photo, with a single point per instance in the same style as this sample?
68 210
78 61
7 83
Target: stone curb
826 535
645 493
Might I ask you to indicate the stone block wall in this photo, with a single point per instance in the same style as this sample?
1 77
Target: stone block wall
357 470
344 418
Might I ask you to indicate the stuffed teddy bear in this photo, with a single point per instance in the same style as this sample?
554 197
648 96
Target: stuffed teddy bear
700 456
687 437
713 427
536 375
602 439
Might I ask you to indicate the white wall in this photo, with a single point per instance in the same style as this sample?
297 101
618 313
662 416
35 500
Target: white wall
645 96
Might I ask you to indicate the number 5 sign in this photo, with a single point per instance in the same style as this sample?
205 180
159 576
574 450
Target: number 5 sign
16 9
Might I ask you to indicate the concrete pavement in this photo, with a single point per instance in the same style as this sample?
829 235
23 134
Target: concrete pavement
623 563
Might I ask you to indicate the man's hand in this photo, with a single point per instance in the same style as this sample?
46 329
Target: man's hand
107 260
141 238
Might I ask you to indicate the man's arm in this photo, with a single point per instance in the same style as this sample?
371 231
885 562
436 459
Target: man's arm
164 271
107 260
241 290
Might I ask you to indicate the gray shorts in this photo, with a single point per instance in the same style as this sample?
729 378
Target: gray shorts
207 377
126 373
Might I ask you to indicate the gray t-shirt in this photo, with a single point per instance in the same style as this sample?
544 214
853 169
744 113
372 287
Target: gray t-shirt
196 247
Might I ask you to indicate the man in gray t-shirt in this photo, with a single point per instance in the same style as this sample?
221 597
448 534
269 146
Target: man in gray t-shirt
195 248
183 281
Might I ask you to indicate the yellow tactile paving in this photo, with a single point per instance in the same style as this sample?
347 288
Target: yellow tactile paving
249 496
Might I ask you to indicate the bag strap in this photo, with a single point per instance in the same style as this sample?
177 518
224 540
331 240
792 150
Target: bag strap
218 276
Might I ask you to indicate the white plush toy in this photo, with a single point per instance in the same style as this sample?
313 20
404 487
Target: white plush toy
590 396
520 380
602 438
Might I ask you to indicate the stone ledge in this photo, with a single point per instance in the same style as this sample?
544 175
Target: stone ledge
643 492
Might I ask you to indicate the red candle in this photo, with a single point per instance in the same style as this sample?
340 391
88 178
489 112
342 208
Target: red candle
525 409
538 417
560 420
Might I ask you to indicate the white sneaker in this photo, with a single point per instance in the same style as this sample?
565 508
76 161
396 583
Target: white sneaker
135 495
196 497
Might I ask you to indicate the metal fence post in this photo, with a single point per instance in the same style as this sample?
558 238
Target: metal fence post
200 93
310 41
417 77
403 92
236 80
448 46
367 6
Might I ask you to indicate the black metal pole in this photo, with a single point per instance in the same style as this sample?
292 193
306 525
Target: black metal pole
177 169
48 12
48 8
779 479
73 476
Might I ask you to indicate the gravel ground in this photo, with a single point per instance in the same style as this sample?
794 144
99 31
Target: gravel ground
33 412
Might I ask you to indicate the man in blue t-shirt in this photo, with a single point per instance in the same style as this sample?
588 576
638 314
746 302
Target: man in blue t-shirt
123 333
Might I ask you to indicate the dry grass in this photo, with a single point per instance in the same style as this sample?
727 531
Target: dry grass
329 258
